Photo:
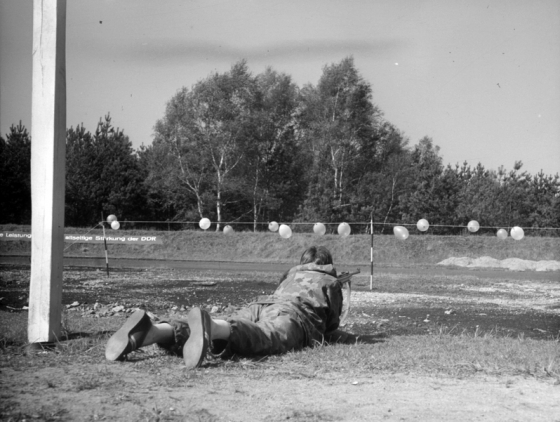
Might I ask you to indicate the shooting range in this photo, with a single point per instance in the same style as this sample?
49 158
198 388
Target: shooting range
159 158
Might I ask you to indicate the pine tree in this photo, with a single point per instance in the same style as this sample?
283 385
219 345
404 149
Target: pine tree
15 176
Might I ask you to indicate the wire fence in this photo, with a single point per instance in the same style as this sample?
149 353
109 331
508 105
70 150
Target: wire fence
358 227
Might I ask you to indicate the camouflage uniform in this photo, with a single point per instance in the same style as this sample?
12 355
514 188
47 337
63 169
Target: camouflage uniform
306 305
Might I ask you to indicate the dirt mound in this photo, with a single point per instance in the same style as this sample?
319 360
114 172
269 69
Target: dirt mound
514 264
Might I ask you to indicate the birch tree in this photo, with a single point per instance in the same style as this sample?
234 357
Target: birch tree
179 167
336 119
200 142
273 162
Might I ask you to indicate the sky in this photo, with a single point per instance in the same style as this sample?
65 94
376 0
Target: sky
481 78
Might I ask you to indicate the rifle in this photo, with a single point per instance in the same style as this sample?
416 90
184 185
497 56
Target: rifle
346 280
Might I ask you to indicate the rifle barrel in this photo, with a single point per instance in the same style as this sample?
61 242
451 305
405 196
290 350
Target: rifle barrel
344 277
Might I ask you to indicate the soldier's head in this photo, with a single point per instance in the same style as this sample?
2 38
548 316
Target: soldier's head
317 255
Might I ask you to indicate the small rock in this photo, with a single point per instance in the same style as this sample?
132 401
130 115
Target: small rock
214 310
204 283
119 308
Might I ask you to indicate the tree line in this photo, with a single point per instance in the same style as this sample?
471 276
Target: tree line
239 147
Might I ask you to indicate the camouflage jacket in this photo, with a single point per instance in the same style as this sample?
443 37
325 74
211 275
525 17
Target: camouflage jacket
317 292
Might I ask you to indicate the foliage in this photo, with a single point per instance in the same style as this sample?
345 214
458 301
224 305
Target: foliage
336 123
274 165
177 170
15 176
102 175
239 147
202 139
378 190
228 148
421 199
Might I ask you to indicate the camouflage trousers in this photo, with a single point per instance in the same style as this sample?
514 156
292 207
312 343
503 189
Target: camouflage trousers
259 329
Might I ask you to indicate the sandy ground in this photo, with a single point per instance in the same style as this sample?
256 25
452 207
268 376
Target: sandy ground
322 398
157 388
132 396
514 264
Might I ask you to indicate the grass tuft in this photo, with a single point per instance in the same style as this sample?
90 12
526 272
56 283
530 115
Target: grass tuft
246 246
444 354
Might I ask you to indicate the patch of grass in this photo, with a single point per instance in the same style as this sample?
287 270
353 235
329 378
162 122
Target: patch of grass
78 335
83 345
87 382
13 329
306 416
442 352
10 412
455 356
265 247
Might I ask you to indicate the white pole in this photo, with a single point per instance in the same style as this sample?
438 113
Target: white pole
371 257
105 242
48 156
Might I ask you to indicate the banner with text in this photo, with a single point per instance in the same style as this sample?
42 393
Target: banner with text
89 238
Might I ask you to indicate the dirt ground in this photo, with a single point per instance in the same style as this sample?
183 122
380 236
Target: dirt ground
132 394
155 387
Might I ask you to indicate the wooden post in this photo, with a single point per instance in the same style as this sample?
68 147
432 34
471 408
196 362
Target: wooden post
48 156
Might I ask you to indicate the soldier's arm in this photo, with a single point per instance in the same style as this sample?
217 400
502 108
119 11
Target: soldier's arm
334 294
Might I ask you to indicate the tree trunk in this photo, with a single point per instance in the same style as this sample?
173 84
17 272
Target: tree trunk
255 206
391 204
219 200
218 210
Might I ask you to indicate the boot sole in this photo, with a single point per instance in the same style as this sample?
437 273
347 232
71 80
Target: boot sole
118 344
196 346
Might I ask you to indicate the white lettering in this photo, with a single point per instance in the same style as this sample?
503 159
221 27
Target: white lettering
114 239
27 235
85 238
74 237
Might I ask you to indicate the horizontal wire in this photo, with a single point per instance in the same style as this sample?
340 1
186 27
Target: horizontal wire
350 223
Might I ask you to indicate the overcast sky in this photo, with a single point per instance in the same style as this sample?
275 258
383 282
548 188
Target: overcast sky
482 78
